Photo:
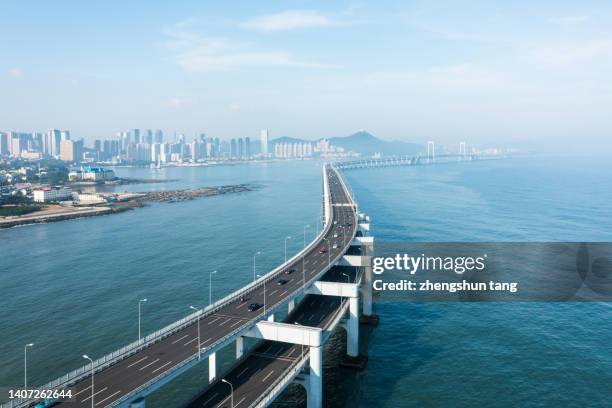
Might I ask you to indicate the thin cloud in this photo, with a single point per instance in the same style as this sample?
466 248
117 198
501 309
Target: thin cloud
568 20
290 20
15 72
197 53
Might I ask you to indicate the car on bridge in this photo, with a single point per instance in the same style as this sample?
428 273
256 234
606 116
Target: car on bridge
254 306
322 250
281 282
289 271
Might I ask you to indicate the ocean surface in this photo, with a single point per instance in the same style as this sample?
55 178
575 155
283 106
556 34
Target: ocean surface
72 287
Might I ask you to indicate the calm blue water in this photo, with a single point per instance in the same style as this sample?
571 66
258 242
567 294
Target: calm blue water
72 287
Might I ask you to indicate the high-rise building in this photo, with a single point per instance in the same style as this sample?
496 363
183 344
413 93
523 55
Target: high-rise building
71 150
264 142
233 148
136 136
240 152
149 137
247 147
52 145
4 146
65 135
159 136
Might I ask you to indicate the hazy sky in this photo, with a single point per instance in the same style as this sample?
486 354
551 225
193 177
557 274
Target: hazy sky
481 71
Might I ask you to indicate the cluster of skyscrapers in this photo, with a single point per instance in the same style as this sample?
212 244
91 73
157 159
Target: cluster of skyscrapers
136 145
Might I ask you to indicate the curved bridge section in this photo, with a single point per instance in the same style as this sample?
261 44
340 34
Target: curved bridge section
124 378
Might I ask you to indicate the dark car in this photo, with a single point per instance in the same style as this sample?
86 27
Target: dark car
254 306
281 282
289 271
322 250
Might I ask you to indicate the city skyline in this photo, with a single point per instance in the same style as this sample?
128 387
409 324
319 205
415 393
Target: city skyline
490 73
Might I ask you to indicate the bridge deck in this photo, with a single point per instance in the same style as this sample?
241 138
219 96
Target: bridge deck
125 376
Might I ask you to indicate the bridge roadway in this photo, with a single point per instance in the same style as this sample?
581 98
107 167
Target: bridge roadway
127 375
252 377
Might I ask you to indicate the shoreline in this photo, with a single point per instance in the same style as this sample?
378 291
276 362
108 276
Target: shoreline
121 203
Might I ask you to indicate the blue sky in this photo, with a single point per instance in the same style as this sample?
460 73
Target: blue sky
482 71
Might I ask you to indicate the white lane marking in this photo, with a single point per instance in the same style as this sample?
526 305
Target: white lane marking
190 341
239 305
290 354
243 398
267 376
223 401
237 323
84 389
210 399
268 348
160 367
109 397
226 321
242 372
206 341
177 340
102 390
273 292
136 362
311 317
283 294
148 365
211 322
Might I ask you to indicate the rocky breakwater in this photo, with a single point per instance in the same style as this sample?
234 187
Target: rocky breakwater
190 194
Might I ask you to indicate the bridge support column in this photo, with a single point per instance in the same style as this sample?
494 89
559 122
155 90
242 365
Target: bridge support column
352 338
314 395
240 347
291 305
212 367
271 317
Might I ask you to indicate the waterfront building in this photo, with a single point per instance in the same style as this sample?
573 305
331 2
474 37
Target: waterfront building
91 174
51 194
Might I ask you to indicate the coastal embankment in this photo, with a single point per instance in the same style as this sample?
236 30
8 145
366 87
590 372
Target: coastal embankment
118 202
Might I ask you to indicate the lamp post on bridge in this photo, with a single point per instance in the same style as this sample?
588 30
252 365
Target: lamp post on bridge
85 356
256 253
264 285
198 310
348 280
328 251
232 391
139 303
210 287
289 237
305 228
25 365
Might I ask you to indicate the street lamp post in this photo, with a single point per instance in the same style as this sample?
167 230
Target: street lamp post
198 310
264 282
85 356
305 227
139 303
25 365
210 287
232 391
328 250
286 248
256 253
